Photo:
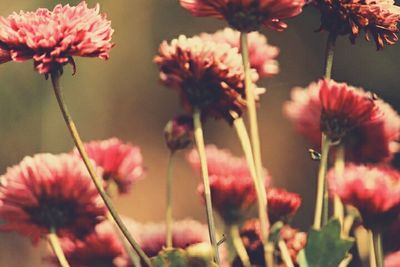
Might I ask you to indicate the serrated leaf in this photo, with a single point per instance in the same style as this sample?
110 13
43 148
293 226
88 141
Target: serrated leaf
325 247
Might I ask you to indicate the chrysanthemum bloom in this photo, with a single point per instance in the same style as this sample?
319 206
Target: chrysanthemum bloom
368 137
262 56
178 132
282 205
393 259
49 191
122 162
373 190
349 17
246 15
206 75
53 38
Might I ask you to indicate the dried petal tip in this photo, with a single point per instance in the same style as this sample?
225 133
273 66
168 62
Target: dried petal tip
178 133
282 205
4 56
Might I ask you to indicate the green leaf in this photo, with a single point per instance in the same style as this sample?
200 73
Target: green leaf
325 247
199 255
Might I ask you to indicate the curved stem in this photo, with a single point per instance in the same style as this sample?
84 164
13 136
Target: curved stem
259 186
55 79
168 215
338 208
56 247
377 247
323 165
285 255
198 135
330 47
238 245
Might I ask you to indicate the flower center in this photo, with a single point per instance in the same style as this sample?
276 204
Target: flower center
245 19
334 127
202 94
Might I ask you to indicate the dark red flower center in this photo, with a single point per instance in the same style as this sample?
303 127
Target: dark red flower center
334 127
245 19
202 94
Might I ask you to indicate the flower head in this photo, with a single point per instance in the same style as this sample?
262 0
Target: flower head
53 38
178 132
122 162
373 190
349 17
282 205
246 15
49 191
206 75
262 55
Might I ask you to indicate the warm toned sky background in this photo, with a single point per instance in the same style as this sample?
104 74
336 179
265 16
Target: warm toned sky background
122 97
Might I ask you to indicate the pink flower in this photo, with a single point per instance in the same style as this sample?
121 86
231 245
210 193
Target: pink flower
206 75
376 17
262 55
48 191
178 133
53 38
122 162
373 190
393 259
246 15
282 205
295 241
368 136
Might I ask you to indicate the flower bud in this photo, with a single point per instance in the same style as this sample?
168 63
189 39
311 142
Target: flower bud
178 132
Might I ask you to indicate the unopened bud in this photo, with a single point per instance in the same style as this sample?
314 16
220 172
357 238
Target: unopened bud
178 132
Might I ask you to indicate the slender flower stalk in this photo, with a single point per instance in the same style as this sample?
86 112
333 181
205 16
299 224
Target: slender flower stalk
168 215
199 139
55 78
330 47
238 245
323 165
260 189
377 248
338 209
285 255
56 247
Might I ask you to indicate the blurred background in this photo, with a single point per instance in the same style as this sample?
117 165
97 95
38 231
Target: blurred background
122 97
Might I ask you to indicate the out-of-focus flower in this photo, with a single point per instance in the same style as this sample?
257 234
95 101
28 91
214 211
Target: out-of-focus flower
246 15
122 162
49 191
368 137
373 190
282 205
262 55
53 38
295 241
178 132
4 56
206 75
392 260
349 17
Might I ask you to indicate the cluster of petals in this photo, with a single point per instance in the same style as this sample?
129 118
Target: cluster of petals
368 127
393 259
376 17
246 15
373 189
282 204
122 163
178 132
207 76
53 38
262 56
49 191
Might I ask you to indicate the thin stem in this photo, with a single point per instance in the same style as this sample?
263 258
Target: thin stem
55 78
325 145
372 255
238 245
57 249
377 244
259 186
338 208
168 215
285 255
330 48
198 135
251 105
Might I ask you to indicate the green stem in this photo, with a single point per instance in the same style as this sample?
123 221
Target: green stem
55 79
377 244
329 53
238 244
168 215
57 249
259 186
325 145
285 255
198 134
338 208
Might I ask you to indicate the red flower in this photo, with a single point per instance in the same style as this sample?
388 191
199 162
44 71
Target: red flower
52 38
373 190
262 55
246 15
178 132
393 259
376 17
282 205
48 191
206 75
122 163
368 137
